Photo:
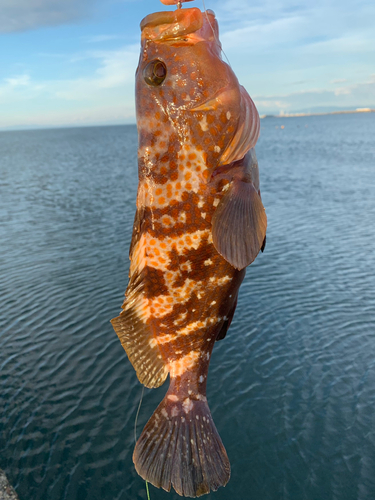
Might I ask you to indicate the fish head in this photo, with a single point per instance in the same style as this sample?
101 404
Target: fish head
186 94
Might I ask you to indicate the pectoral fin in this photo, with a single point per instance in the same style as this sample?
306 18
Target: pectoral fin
239 224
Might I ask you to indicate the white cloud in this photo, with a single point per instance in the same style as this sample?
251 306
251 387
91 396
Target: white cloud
321 49
272 44
17 81
334 26
118 66
338 80
267 104
346 97
259 36
342 91
105 96
116 70
346 44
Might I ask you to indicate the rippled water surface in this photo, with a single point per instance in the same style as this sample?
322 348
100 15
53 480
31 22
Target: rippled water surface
292 386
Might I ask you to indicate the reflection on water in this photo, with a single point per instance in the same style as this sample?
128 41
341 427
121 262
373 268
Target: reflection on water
291 388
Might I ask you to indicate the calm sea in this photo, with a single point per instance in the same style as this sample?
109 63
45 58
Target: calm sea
291 388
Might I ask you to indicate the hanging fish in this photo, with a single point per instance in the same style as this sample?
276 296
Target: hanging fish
199 222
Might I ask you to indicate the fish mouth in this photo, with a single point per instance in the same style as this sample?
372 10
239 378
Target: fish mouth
179 25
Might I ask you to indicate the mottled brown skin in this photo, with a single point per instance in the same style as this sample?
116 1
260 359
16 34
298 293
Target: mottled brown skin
195 128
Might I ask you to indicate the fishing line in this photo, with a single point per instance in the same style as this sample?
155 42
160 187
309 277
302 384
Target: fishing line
148 493
136 417
135 432
213 31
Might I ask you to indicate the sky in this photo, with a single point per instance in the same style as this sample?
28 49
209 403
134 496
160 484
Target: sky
72 62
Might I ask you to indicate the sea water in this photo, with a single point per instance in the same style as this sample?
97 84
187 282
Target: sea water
291 387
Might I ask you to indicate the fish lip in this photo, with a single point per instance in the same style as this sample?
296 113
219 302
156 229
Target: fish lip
168 25
189 39
183 25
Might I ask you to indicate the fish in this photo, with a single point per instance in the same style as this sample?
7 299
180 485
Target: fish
199 223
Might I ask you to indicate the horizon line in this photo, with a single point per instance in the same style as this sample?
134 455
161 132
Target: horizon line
24 128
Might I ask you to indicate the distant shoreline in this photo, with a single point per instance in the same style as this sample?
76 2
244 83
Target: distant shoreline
23 128
293 115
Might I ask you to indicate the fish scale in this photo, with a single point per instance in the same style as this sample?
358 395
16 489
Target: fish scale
199 222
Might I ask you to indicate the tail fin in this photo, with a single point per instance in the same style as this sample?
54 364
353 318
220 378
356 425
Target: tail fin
181 447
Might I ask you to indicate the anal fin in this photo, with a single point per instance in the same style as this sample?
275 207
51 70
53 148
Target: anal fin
144 354
263 245
223 331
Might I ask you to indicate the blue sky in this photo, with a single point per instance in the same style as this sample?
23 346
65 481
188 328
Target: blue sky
72 62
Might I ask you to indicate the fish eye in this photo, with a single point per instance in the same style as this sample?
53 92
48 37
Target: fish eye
154 73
